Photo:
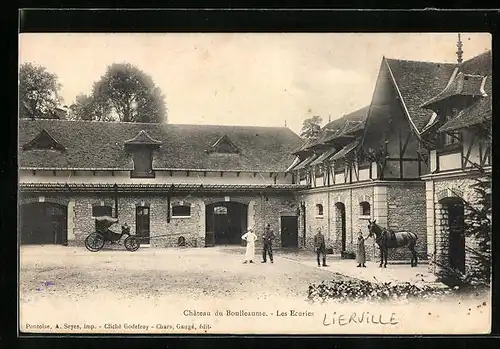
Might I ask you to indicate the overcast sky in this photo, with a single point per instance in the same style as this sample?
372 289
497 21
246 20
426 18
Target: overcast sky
244 79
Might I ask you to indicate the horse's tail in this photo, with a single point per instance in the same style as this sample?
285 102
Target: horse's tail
415 238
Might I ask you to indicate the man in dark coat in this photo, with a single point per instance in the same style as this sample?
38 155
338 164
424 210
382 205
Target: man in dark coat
320 247
268 238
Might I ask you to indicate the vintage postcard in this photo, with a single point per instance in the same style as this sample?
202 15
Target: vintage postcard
255 183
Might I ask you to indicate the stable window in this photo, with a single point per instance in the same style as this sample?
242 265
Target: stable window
181 211
452 137
100 211
364 208
319 210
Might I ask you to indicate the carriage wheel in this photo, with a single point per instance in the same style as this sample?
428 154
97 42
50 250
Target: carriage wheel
131 243
94 242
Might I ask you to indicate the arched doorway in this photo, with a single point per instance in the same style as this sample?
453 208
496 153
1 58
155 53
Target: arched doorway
43 223
454 225
340 225
225 223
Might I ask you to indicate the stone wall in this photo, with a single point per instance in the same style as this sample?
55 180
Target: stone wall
397 205
438 235
261 211
330 222
406 212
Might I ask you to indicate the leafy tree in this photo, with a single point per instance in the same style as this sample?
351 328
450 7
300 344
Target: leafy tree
478 226
130 95
85 108
311 127
38 92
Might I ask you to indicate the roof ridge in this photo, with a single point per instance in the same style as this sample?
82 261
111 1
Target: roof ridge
476 56
155 123
419 61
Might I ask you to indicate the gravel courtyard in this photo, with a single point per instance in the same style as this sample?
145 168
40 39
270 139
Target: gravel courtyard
160 290
213 272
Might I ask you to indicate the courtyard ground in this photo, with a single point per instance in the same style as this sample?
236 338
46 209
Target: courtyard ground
70 285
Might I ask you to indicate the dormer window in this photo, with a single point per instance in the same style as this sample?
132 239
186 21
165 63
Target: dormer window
223 145
141 147
44 141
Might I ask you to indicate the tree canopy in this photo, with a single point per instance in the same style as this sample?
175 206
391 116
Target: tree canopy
84 108
124 93
38 92
311 127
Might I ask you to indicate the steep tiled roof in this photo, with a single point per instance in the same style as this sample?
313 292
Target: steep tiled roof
101 145
325 156
477 113
346 150
305 146
342 126
418 82
462 85
347 124
305 162
478 65
473 79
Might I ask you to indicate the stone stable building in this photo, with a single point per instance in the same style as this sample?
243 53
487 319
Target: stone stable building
170 183
408 159
460 141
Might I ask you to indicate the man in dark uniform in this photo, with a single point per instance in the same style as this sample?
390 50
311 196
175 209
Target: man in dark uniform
268 244
320 247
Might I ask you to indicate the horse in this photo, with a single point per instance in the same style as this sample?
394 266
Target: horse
386 239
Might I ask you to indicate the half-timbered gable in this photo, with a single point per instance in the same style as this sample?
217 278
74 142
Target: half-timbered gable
458 137
395 121
332 157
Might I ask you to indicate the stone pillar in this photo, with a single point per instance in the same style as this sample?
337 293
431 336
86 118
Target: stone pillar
380 205
251 214
441 237
202 222
71 222
431 226
337 245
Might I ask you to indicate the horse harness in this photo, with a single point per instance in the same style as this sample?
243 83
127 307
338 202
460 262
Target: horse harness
386 234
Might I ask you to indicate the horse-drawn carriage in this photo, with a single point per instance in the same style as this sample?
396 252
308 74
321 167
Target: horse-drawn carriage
96 240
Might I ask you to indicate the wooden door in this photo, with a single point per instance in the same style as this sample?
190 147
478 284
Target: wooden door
289 231
457 236
142 224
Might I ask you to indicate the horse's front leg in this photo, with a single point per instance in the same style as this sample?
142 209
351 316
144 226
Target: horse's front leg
385 257
381 256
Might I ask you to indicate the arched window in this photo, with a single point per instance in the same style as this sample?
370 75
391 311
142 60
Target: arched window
319 210
364 208
181 210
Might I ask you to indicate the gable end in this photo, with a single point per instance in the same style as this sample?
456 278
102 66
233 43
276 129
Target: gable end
44 141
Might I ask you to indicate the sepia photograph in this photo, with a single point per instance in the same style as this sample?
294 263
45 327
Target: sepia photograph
254 183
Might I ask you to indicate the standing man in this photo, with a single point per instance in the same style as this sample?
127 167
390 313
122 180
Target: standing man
268 244
320 246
